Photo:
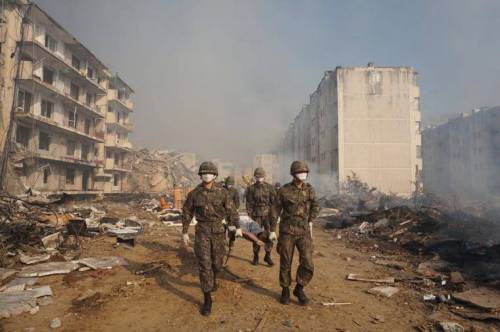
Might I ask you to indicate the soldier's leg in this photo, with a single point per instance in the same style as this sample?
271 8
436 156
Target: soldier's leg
286 244
305 269
218 252
256 247
202 250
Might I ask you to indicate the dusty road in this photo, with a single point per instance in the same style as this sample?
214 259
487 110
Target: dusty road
168 298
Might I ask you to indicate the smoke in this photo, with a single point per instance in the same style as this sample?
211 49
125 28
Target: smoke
224 79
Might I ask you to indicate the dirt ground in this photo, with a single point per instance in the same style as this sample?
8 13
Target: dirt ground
168 298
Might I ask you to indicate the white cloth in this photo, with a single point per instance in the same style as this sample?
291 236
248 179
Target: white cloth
249 225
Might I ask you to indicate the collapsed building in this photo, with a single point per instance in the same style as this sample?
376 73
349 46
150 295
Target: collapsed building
462 156
362 120
69 123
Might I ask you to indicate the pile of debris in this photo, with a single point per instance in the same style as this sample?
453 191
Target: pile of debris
159 171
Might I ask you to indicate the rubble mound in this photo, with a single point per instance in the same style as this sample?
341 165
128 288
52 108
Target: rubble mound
159 171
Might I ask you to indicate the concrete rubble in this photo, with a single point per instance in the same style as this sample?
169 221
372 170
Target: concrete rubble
159 172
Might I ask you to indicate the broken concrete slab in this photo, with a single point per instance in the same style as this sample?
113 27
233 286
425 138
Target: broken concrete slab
52 241
386 291
483 298
22 281
15 303
47 269
28 260
357 277
6 273
97 263
451 327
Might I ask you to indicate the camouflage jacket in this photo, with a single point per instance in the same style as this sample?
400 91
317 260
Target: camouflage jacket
235 196
209 207
297 207
260 199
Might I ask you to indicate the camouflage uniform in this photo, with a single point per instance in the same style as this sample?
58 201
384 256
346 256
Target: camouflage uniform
260 198
297 206
209 207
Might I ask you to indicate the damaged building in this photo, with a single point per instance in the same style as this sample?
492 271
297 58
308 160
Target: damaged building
70 119
362 120
462 156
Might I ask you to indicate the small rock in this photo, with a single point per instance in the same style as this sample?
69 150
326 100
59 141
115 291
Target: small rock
451 327
348 259
34 310
377 319
44 300
55 323
287 323
386 291
313 317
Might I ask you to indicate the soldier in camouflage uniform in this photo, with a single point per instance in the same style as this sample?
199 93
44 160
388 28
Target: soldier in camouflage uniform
260 197
209 203
233 192
297 206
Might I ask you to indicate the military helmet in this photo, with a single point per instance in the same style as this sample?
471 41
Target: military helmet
229 181
259 172
208 167
299 166
277 185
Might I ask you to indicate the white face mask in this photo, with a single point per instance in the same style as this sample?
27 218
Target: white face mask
207 178
301 176
259 179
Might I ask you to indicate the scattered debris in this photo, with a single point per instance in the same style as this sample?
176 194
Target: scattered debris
483 298
103 262
333 304
386 291
55 323
451 327
17 302
356 277
46 269
25 259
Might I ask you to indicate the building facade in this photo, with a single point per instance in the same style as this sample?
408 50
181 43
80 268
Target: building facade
362 120
462 156
60 94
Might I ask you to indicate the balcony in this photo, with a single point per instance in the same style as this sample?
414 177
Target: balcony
112 142
122 126
124 104
35 50
51 156
119 167
30 118
28 79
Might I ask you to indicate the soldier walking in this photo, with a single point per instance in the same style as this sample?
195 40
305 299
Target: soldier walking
233 192
297 206
260 198
209 203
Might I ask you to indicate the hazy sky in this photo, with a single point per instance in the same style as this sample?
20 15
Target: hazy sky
225 78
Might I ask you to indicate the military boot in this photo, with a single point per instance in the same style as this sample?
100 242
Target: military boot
299 293
285 296
268 259
206 308
255 260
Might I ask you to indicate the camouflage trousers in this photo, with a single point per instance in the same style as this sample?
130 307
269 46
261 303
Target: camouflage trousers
286 247
264 236
210 250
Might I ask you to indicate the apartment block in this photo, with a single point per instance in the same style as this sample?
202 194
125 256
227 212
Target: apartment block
462 156
59 91
362 120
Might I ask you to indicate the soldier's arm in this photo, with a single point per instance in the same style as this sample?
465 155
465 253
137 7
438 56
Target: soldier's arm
273 216
187 212
231 211
249 201
314 211
276 210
